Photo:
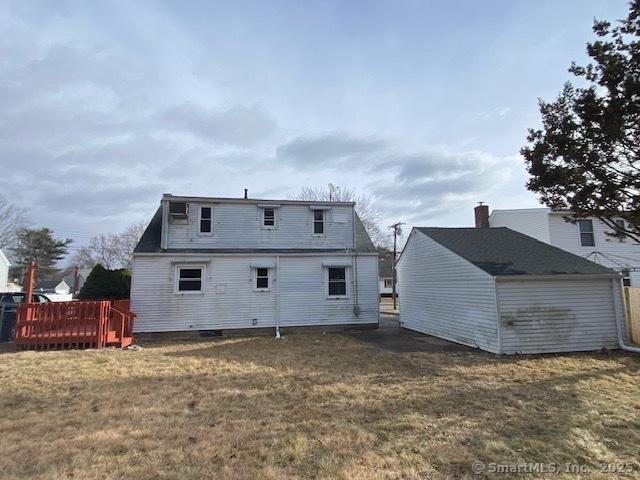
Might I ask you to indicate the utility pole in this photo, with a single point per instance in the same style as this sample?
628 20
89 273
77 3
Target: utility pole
397 230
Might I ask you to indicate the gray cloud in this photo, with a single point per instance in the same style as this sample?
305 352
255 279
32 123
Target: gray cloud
329 150
236 126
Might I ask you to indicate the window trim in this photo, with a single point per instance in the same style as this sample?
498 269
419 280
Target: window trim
200 232
347 278
313 222
592 232
254 279
262 217
176 282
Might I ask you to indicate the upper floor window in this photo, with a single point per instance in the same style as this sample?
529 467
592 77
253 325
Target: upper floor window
268 218
205 219
189 279
318 222
337 282
587 238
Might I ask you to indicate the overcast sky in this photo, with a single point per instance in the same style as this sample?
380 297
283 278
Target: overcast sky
423 105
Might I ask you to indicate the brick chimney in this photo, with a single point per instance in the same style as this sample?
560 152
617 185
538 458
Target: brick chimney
482 215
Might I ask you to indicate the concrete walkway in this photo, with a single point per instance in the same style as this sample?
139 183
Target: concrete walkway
386 306
390 337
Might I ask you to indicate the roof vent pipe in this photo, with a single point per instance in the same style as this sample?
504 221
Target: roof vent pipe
482 215
246 193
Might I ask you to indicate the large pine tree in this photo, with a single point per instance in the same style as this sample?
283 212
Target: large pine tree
40 246
586 157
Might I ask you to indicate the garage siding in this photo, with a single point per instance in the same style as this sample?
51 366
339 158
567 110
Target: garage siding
540 316
444 295
229 300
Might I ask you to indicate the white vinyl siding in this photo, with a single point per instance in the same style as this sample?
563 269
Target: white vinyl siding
611 252
297 293
533 222
443 295
539 316
240 225
4 271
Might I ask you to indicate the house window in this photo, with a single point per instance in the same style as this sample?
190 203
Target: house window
318 222
388 283
587 238
268 217
337 282
205 219
262 279
189 279
626 278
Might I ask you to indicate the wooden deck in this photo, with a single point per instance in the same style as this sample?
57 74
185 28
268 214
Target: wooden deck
63 325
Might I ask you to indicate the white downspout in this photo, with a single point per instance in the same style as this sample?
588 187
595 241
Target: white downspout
621 328
278 337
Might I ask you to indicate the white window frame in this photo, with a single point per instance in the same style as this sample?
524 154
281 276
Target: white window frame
275 218
347 278
254 279
313 222
200 232
176 282
580 232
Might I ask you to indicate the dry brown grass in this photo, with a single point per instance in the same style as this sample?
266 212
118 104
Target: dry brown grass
310 406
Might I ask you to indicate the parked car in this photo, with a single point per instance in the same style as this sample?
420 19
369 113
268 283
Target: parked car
8 306
11 299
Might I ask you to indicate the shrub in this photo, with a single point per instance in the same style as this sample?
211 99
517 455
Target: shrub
103 284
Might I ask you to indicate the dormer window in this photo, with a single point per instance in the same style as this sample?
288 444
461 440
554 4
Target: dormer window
205 220
178 212
318 222
268 217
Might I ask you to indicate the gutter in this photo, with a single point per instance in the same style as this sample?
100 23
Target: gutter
278 337
618 288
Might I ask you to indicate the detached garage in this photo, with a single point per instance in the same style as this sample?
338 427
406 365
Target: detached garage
504 292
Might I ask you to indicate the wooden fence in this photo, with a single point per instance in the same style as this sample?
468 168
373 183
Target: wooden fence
632 312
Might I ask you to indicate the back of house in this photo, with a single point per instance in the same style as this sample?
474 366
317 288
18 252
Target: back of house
207 263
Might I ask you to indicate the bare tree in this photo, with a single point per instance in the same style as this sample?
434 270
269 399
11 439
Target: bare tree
105 250
116 250
368 213
83 258
13 219
128 241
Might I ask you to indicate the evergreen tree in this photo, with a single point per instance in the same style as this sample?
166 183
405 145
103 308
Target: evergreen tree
103 284
586 157
40 246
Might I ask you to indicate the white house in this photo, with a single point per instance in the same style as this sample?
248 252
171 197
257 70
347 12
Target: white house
240 263
55 290
385 272
587 238
4 271
504 292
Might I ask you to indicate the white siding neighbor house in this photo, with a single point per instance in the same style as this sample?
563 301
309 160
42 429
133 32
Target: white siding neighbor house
587 238
507 293
4 272
240 263
55 290
385 279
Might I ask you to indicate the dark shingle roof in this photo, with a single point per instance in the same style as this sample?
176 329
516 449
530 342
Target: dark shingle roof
150 242
502 251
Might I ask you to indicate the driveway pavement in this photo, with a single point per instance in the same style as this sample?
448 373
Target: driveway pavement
390 337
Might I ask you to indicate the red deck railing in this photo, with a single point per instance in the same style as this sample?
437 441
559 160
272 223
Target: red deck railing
78 324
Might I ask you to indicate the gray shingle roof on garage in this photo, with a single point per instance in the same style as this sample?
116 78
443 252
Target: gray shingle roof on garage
502 251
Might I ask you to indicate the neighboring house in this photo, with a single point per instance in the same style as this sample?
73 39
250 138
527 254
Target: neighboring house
504 292
55 290
385 272
71 280
239 263
587 238
4 272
